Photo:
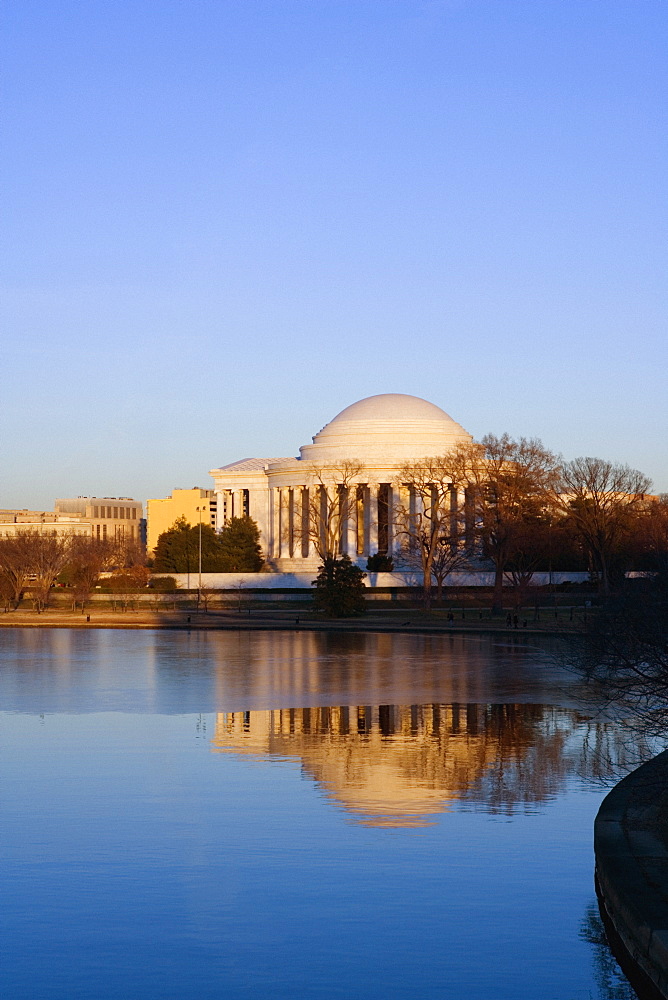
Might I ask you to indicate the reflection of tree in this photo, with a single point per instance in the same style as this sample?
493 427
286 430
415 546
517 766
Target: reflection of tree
394 765
611 981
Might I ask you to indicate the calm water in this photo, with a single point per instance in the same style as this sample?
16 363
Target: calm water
297 815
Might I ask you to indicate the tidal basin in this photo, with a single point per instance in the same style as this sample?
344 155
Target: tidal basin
258 814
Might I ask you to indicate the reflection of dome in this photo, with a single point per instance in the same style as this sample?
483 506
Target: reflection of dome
391 428
399 765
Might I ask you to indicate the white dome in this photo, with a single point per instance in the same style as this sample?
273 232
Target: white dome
388 429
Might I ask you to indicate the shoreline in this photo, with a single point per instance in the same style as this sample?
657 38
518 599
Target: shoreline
258 620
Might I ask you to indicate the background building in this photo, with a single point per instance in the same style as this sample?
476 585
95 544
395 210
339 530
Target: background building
193 505
112 518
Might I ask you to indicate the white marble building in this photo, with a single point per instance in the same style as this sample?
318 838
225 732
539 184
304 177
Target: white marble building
362 451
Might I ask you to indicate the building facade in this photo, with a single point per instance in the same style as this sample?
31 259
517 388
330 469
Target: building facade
354 462
105 518
193 505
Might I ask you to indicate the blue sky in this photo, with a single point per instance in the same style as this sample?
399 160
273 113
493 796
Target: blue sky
223 222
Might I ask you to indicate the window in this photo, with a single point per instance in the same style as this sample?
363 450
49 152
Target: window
115 513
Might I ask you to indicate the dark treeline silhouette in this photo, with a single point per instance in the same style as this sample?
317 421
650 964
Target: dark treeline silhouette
622 653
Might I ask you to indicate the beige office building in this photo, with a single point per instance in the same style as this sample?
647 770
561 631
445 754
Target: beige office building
105 518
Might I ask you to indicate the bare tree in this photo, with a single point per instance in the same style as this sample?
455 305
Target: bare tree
429 523
652 533
332 498
50 553
16 565
529 547
507 483
86 560
601 500
207 596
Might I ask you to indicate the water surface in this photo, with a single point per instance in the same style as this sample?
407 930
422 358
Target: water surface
297 814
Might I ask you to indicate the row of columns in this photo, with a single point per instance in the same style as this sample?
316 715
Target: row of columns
231 503
283 516
290 532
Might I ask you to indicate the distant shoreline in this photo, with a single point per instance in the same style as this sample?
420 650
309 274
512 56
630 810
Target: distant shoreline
294 620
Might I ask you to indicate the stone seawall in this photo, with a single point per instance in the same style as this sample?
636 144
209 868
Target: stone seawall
630 836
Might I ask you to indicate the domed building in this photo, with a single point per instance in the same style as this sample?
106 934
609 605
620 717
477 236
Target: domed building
353 463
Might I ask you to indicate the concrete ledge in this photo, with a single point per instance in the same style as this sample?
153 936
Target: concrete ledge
632 873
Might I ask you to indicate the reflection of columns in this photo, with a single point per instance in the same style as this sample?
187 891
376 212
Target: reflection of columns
372 514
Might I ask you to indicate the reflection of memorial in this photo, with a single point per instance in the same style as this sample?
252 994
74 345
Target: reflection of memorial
395 765
283 669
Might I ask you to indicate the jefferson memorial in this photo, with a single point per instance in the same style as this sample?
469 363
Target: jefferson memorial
360 453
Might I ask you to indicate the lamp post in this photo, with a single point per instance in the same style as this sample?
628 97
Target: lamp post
199 577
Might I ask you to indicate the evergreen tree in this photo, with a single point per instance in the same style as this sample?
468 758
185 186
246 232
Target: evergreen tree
240 546
339 588
177 550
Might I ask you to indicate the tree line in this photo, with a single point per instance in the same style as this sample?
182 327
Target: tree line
509 505
524 510
31 562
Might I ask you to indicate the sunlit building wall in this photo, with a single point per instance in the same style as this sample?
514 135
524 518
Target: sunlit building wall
194 505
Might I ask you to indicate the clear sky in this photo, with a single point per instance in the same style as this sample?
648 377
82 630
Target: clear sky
223 221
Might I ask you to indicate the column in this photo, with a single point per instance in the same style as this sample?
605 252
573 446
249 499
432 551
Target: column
402 504
417 512
277 521
307 541
454 527
270 522
350 534
258 508
300 548
372 522
280 523
391 530
469 519
220 509
290 519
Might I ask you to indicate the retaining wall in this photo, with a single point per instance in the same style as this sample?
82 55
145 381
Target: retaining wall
302 581
632 873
